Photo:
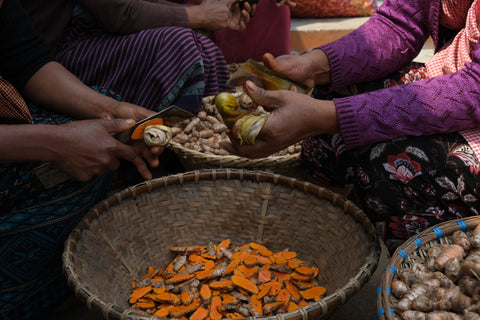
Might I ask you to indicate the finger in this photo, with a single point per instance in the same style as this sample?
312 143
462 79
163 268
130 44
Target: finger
294 88
117 125
270 62
256 93
142 168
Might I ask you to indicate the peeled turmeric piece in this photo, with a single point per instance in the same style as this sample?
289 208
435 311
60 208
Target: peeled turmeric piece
217 282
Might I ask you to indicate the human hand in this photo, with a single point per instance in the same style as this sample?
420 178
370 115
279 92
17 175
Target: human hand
125 110
215 15
289 3
293 118
87 148
311 68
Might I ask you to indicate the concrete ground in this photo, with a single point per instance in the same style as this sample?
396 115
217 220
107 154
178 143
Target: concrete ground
305 34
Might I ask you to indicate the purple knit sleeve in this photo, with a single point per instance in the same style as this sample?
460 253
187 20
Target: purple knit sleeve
391 38
448 103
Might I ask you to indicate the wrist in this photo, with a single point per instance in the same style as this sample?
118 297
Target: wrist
319 65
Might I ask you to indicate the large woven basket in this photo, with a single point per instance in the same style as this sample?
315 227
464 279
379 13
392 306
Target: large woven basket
416 249
193 160
123 235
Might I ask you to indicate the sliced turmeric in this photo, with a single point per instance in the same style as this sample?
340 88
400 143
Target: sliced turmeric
217 282
137 134
245 284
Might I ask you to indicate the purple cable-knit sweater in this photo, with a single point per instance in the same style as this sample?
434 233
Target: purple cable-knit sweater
391 38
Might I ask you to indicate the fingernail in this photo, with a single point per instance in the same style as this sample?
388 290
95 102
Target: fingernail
130 122
250 85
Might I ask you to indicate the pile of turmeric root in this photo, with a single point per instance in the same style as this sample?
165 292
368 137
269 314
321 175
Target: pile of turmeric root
204 132
445 286
214 282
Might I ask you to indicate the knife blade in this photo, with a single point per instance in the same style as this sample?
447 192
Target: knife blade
262 77
170 115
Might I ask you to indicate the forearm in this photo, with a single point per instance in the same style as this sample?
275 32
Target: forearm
431 106
55 88
28 142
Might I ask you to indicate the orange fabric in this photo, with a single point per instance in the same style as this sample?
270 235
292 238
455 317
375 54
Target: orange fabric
13 109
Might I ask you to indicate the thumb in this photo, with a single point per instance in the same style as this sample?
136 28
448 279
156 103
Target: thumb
256 93
118 125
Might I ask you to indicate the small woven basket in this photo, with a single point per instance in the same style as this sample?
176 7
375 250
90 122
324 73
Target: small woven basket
123 235
193 160
416 249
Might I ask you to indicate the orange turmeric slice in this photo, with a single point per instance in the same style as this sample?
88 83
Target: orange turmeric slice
264 275
200 314
292 289
214 312
284 296
163 312
245 284
166 297
306 271
292 306
177 278
205 293
137 134
184 309
222 285
275 288
138 293
257 305
271 307
313 293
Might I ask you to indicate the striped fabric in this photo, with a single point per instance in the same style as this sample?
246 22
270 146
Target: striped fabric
13 108
458 14
153 68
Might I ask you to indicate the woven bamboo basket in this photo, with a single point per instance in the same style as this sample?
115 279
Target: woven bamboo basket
416 249
194 160
133 229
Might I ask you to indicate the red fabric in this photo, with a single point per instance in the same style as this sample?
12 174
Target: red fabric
268 31
13 108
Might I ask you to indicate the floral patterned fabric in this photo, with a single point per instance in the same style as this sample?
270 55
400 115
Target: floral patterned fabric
405 185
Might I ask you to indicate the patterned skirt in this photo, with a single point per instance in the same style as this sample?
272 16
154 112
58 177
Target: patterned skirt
154 68
405 185
35 221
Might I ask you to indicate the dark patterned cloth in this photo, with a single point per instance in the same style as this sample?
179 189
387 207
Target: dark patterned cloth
35 221
405 185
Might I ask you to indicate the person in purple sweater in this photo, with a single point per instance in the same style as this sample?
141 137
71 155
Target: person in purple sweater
404 134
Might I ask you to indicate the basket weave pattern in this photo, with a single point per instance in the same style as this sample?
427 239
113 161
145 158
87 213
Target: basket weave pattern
416 250
134 228
194 160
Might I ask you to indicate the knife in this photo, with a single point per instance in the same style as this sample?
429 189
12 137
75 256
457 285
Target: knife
262 77
50 176
170 115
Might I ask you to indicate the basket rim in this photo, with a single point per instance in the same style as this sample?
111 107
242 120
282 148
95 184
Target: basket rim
322 307
433 233
177 146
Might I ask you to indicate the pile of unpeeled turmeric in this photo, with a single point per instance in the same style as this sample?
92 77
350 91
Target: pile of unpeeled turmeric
446 286
220 281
